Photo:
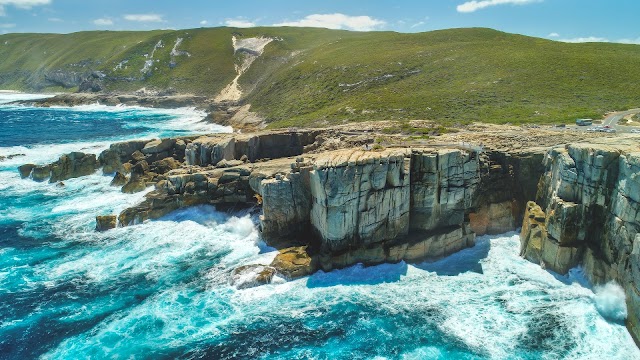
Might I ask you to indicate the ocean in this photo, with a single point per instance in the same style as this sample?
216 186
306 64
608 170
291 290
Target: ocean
160 290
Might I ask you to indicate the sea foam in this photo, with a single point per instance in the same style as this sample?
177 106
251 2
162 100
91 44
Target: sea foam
610 301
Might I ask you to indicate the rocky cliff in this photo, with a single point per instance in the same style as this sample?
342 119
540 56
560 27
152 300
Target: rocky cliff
349 205
588 213
326 200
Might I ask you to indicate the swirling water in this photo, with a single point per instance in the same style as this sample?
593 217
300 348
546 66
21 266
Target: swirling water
160 289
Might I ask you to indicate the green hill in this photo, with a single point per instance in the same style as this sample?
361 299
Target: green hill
317 76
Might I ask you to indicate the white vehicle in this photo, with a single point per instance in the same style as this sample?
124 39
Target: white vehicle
636 131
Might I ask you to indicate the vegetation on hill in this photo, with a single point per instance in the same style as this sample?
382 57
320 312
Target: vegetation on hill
319 76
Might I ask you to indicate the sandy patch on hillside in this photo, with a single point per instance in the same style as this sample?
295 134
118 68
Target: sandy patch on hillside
250 49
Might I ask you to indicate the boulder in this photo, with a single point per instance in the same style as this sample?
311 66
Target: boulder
295 262
119 179
228 163
106 222
134 185
139 178
68 166
138 156
25 170
73 165
165 165
158 146
118 154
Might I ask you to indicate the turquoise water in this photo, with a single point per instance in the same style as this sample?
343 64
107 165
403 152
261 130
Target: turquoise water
160 290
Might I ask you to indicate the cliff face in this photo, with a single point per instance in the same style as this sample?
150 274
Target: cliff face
350 205
322 192
589 214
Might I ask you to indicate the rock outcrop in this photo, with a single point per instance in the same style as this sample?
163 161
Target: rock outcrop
68 166
106 222
346 206
295 262
589 214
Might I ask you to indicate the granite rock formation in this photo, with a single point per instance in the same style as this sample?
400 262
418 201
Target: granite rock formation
589 214
68 166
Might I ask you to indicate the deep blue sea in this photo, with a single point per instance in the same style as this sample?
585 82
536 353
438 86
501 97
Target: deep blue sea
160 290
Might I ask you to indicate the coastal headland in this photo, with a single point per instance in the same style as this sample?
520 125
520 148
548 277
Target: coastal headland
334 197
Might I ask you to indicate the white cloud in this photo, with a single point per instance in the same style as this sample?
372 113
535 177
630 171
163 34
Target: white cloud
239 23
629 41
600 39
143 17
419 23
204 22
103 22
21 4
55 19
7 26
553 35
336 21
585 39
471 6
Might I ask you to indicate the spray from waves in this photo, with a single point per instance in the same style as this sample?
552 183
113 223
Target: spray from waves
610 300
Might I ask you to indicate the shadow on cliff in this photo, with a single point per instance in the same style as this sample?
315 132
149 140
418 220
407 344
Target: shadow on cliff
359 275
467 260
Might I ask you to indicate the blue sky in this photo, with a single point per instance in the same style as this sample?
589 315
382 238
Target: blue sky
567 20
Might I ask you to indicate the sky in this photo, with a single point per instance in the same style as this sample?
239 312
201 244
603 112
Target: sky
563 20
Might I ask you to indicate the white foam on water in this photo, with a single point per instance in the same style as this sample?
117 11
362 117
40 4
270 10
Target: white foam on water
7 97
181 121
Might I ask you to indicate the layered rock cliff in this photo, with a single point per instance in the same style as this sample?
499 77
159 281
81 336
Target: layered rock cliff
347 206
588 213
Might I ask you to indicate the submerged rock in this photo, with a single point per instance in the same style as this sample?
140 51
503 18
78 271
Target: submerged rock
249 276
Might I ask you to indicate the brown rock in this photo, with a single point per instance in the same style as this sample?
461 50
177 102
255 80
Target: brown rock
134 186
106 222
165 165
295 262
25 170
41 173
73 165
137 156
119 179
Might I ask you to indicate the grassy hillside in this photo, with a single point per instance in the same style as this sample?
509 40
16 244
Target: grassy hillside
316 76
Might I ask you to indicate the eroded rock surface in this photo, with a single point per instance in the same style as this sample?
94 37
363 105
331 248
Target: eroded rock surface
68 166
589 214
